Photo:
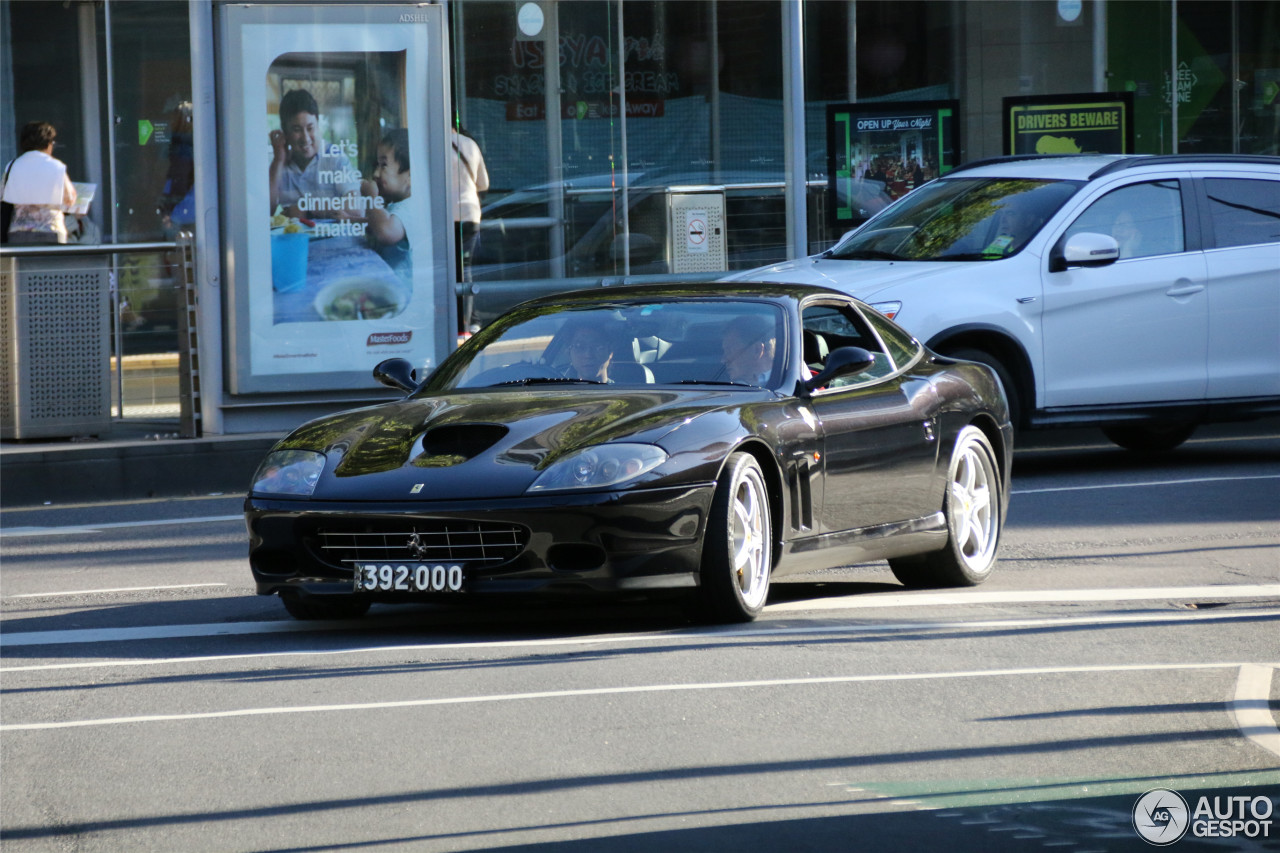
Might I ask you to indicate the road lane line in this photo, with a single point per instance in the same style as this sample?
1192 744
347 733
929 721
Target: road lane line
1251 707
924 599
618 691
1187 482
758 630
117 589
112 525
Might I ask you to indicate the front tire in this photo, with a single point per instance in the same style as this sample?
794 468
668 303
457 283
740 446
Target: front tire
309 607
1002 372
737 557
973 509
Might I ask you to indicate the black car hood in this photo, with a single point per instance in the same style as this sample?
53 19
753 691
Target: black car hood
485 444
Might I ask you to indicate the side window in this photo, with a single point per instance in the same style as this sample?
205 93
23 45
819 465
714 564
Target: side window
901 346
1244 212
1145 219
828 327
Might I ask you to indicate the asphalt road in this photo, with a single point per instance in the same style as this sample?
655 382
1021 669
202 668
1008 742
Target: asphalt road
1126 642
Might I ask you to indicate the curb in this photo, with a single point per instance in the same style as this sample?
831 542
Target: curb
129 470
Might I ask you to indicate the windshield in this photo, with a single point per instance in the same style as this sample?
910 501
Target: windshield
720 342
959 219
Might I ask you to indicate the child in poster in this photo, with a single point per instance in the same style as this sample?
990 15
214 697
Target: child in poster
389 223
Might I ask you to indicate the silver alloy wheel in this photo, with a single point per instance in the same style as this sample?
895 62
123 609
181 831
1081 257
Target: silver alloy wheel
750 539
973 512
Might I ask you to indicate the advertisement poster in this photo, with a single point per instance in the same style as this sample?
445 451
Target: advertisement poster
879 152
341 265
1097 123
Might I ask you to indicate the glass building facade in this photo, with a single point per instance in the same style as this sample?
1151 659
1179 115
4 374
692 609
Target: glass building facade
621 138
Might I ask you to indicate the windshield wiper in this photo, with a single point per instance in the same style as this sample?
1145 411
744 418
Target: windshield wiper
967 256
869 255
715 382
547 380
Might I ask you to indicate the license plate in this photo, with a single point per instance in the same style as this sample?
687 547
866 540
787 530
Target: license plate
412 577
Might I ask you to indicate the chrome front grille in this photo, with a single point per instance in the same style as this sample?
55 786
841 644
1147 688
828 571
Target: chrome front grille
469 542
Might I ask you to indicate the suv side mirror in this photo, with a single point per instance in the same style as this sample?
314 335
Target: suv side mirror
1085 249
844 361
397 373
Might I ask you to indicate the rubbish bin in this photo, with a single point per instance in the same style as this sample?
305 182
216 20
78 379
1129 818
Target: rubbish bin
55 359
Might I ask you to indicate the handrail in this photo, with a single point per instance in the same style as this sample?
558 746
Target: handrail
48 249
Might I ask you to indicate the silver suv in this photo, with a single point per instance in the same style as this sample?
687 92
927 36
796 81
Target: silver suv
1139 293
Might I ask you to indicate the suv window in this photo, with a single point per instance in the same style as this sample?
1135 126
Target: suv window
1145 219
959 219
1244 212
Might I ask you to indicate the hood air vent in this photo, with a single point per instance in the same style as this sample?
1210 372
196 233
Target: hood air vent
456 443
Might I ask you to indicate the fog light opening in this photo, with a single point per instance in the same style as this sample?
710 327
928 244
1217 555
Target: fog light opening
576 557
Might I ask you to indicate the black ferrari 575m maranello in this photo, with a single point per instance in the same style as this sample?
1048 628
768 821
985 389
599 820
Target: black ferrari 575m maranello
696 440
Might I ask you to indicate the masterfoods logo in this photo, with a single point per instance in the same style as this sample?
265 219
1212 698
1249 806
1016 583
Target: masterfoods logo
1162 817
378 338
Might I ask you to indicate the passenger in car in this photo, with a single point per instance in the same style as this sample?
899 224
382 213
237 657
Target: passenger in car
1127 235
748 345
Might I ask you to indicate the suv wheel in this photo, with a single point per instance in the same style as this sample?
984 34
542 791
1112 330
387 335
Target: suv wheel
1152 438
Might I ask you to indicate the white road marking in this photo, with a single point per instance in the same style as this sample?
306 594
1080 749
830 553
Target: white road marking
1251 707
758 630
617 691
81 529
926 599
116 589
1184 482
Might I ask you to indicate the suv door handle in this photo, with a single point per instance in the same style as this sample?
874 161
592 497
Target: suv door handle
1184 290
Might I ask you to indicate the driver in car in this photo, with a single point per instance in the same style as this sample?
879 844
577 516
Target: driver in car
590 354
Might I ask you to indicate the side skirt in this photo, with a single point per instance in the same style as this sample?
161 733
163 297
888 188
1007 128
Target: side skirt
898 539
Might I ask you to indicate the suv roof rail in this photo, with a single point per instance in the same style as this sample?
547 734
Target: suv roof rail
1183 160
1011 158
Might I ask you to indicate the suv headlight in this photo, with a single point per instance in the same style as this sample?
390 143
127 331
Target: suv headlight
600 467
888 309
288 472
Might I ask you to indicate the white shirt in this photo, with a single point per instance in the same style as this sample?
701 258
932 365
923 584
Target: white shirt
473 178
36 178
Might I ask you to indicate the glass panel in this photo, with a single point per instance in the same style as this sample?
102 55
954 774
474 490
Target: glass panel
41 45
1244 212
589 195
151 56
900 52
1145 219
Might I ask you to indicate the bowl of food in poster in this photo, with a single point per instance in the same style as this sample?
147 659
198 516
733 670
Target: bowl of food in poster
359 299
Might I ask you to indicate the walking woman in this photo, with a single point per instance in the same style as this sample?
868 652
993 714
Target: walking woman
37 186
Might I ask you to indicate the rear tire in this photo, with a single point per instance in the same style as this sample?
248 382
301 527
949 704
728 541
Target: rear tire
972 507
309 607
737 557
1150 438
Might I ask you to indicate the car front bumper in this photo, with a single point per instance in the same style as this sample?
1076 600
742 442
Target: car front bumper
624 541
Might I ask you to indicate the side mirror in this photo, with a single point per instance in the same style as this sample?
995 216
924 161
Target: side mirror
844 361
397 373
1085 249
